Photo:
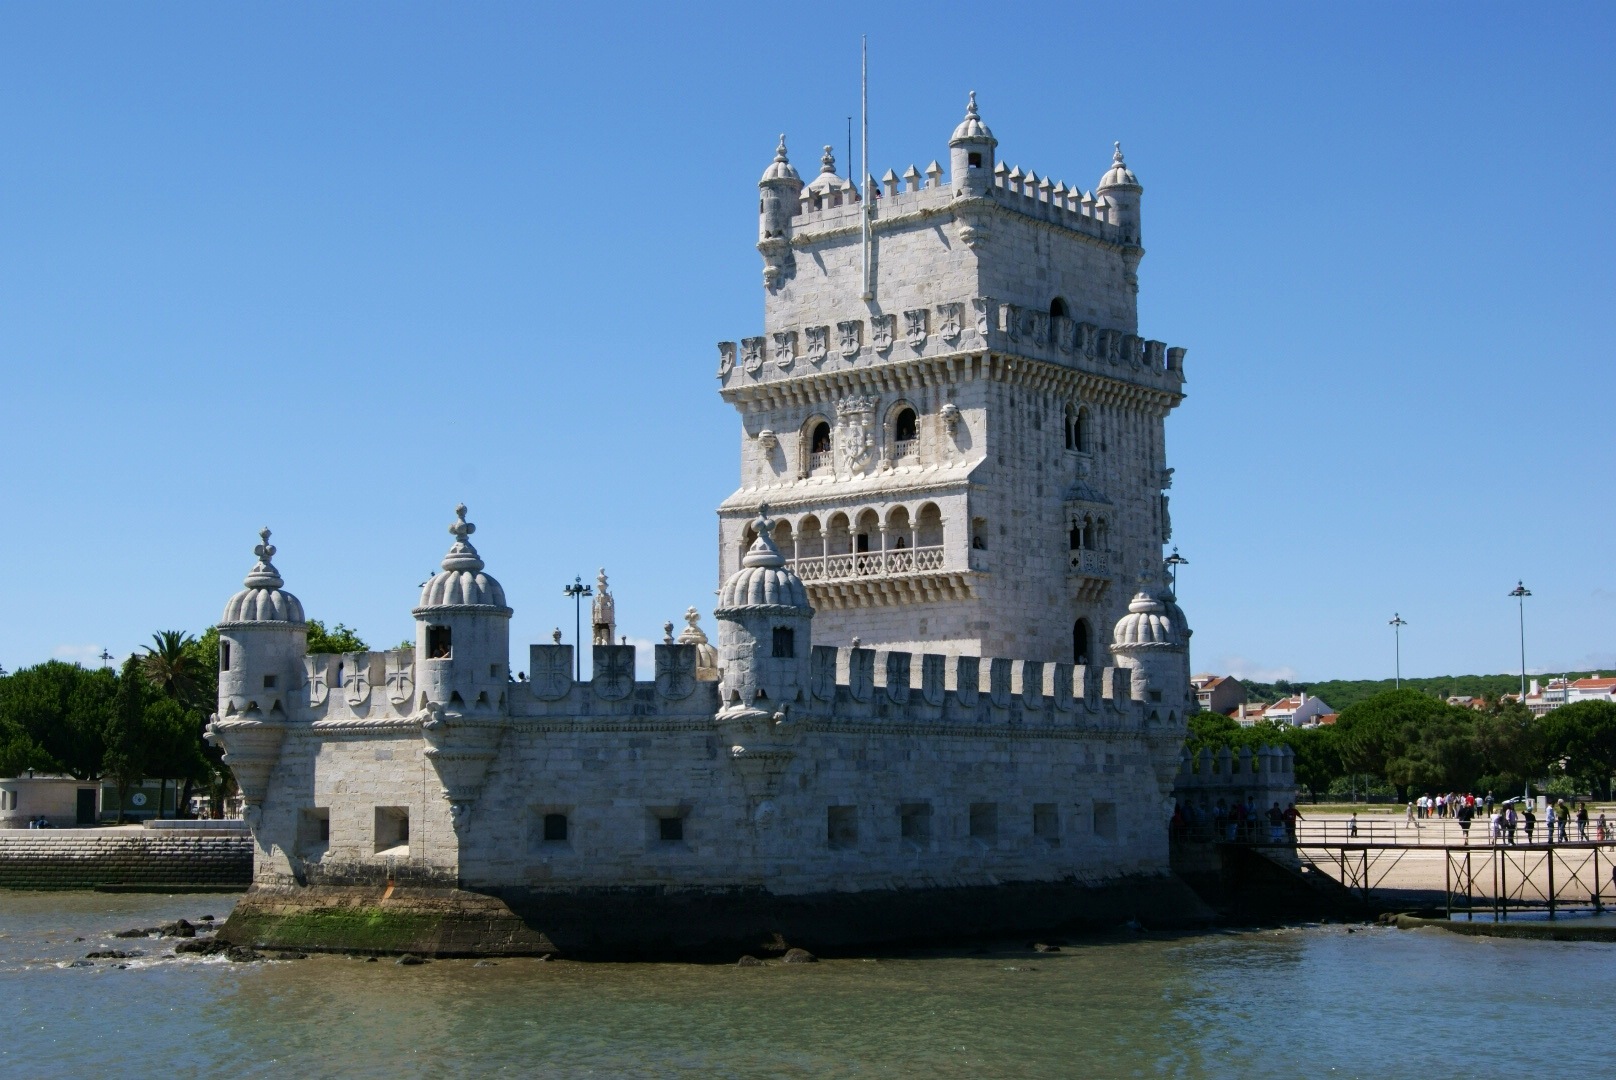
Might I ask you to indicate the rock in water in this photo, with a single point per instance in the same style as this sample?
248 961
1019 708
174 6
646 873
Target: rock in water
484 963
179 928
1041 947
800 956
242 954
748 961
202 947
409 960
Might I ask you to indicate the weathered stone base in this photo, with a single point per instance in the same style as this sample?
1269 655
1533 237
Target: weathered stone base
665 924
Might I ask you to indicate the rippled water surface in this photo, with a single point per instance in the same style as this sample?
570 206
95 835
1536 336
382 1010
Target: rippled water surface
1306 1002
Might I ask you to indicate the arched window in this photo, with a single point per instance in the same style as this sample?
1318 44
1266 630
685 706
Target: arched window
929 526
905 428
1074 539
1071 427
1080 431
1082 642
1057 306
820 442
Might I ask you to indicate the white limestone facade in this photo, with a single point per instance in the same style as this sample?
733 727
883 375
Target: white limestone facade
950 411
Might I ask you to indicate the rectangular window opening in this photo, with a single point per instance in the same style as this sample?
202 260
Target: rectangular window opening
269 682
392 828
438 643
313 830
1105 820
785 642
1046 822
555 828
841 827
914 823
224 656
671 830
985 822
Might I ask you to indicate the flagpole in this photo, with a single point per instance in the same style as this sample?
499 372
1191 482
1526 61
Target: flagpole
864 159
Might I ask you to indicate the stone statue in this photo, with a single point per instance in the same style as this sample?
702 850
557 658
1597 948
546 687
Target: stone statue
604 611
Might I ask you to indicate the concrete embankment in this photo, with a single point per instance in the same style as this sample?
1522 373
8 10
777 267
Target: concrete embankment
188 859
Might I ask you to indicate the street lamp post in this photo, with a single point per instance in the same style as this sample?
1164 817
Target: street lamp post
105 658
1397 624
578 590
1520 592
1173 562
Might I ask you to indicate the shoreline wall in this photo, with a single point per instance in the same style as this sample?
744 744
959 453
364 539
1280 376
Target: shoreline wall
93 858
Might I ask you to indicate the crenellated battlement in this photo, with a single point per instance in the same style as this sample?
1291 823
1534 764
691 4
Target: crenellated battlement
974 324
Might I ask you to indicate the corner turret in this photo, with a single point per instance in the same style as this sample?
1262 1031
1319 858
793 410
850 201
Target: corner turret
970 155
462 631
262 640
778 202
765 628
1152 639
1122 189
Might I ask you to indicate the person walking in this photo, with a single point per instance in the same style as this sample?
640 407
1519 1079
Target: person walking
1603 830
1276 823
1528 821
1548 823
1292 816
1564 813
1464 814
1582 823
1352 824
1510 823
1495 827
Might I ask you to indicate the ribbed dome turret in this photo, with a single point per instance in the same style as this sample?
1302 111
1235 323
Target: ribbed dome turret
972 129
263 599
1147 625
1119 175
781 169
461 582
763 580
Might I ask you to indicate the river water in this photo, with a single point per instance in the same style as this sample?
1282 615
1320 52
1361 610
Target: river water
1315 1001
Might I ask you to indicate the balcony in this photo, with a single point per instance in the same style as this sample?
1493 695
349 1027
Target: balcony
1090 563
868 564
820 463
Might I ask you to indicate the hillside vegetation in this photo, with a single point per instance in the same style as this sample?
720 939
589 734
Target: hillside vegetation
1343 693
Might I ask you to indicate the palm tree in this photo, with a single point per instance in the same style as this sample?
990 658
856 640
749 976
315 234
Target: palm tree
170 666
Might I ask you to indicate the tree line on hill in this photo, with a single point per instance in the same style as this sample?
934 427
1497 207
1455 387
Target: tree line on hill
144 721
1340 693
1412 743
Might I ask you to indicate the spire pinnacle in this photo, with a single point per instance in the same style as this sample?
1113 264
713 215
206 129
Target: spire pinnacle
827 163
780 151
970 108
1116 155
462 556
263 575
763 552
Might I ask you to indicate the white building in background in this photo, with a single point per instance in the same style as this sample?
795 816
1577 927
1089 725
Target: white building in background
1299 710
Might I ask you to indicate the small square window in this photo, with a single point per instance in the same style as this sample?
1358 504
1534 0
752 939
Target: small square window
974 161
670 829
985 822
841 827
555 828
392 828
1046 822
438 643
269 682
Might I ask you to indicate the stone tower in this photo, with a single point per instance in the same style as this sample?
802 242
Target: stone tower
957 425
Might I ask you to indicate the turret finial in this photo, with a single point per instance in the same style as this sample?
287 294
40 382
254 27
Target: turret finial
827 163
1116 155
263 575
780 151
970 109
462 556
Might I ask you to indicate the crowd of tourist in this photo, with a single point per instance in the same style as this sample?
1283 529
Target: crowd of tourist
1513 820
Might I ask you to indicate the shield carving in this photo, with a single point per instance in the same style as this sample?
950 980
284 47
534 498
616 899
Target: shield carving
614 671
319 689
675 671
550 671
400 676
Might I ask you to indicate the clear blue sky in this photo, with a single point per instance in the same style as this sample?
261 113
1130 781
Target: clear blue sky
336 267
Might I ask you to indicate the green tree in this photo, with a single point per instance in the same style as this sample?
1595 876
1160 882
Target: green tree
52 716
1580 738
171 665
338 639
124 758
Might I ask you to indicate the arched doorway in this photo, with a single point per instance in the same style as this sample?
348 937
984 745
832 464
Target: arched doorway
1082 642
